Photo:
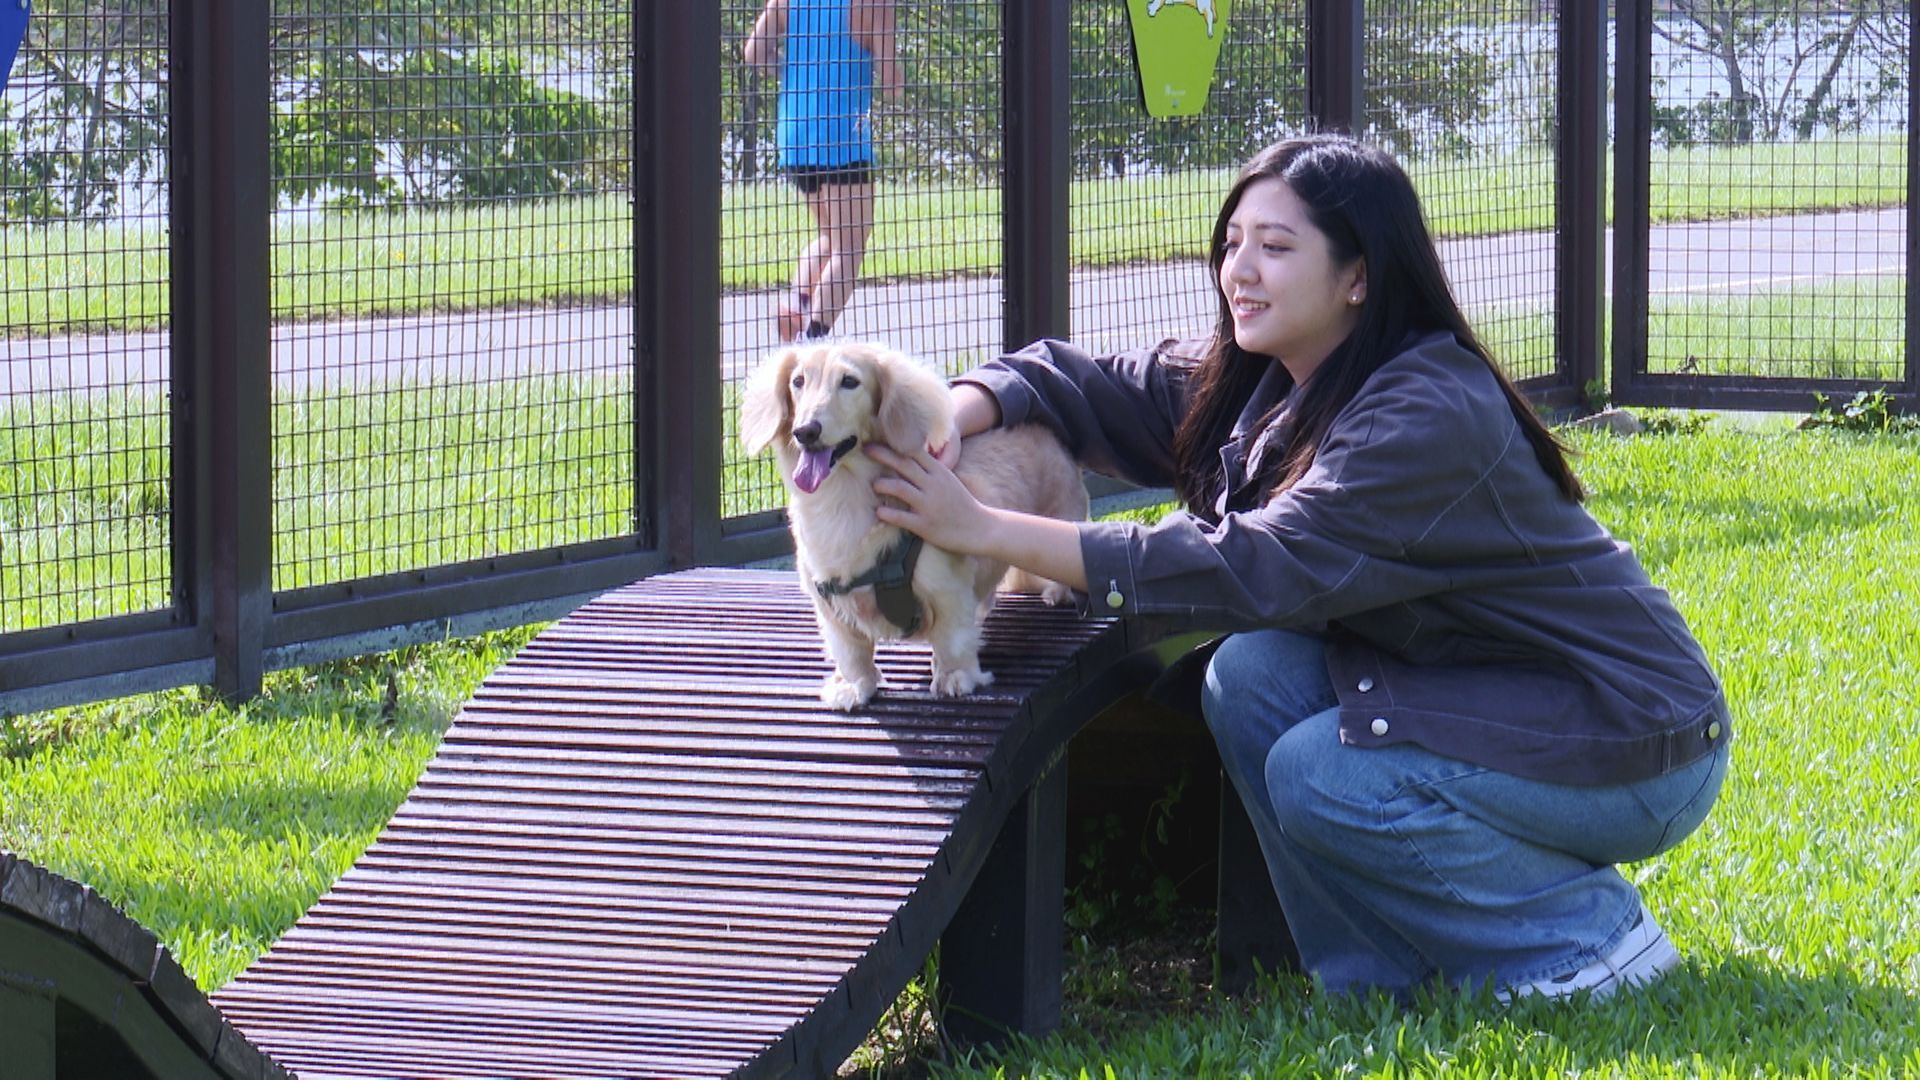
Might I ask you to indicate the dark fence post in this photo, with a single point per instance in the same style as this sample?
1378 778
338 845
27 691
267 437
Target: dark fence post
1913 214
1034 215
222 196
1580 187
676 193
1632 188
1336 64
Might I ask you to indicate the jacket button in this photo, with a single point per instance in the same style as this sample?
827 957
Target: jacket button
1114 599
1380 725
1713 730
1366 685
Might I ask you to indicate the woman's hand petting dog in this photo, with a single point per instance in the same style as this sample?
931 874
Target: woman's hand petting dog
933 504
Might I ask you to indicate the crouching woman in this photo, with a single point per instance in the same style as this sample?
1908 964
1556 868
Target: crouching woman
1451 701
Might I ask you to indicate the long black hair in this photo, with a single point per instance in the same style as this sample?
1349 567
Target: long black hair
1365 204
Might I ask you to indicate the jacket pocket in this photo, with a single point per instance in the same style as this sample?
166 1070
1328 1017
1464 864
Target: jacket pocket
1392 628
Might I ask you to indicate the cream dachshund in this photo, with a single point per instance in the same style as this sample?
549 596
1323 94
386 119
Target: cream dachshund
816 405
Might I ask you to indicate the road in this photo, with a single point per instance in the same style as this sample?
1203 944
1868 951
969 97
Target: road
955 321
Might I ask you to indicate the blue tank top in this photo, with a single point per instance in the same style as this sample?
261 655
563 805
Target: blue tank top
826 89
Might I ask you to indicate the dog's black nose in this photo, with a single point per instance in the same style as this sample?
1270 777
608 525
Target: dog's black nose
807 435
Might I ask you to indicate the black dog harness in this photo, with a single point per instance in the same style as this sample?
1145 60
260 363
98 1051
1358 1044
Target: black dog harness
892 581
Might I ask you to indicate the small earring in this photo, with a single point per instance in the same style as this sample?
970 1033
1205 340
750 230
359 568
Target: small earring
1353 298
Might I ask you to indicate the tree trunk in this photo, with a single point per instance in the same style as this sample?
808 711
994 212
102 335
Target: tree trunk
1810 114
750 126
1739 98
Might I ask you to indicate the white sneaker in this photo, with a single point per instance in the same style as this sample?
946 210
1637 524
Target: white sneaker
1643 955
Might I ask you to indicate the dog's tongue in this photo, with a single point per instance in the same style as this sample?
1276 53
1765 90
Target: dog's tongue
814 467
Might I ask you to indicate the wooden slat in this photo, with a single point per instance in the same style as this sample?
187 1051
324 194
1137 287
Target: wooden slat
646 848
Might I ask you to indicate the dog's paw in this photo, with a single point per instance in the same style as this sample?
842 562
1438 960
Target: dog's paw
1056 594
959 682
845 695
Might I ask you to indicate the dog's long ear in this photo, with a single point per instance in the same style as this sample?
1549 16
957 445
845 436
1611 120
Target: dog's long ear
915 408
766 407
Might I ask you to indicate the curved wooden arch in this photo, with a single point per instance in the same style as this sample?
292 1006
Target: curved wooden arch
644 848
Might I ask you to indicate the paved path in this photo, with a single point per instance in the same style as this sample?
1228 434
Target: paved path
955 321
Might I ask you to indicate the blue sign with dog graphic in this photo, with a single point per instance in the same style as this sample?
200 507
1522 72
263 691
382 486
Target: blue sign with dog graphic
13 28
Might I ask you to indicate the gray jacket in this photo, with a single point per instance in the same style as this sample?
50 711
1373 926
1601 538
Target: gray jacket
1470 607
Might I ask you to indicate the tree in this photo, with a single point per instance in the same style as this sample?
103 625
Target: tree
954 126
376 102
386 102
421 102
1258 92
436 124
746 107
1433 69
1787 70
1423 75
92 123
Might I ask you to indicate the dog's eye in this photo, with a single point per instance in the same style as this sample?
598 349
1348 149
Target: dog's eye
799 381
849 382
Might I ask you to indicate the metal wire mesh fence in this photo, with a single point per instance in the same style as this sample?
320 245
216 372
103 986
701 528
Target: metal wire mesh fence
1778 190
452 253
1464 95
85 503
1146 190
764 230
458 221
873 210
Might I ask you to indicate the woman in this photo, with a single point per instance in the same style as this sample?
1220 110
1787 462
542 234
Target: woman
1451 701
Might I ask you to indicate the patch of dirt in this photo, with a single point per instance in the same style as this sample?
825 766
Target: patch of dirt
1116 976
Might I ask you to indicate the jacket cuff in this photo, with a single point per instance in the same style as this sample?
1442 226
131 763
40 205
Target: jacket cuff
1106 549
1010 391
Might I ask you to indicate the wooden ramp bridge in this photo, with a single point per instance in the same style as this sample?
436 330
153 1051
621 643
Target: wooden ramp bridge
644 848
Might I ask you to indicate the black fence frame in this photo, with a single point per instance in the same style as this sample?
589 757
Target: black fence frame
1632 383
227 626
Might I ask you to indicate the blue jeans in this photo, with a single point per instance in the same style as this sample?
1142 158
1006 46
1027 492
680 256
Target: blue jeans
1395 865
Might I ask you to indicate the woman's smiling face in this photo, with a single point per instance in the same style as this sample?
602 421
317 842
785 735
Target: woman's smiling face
1290 299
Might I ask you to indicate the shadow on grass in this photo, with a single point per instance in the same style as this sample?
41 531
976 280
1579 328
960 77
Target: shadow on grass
308 812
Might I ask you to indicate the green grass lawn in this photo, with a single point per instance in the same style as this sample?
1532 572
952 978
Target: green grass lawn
562 251
1796 556
217 826
1844 329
